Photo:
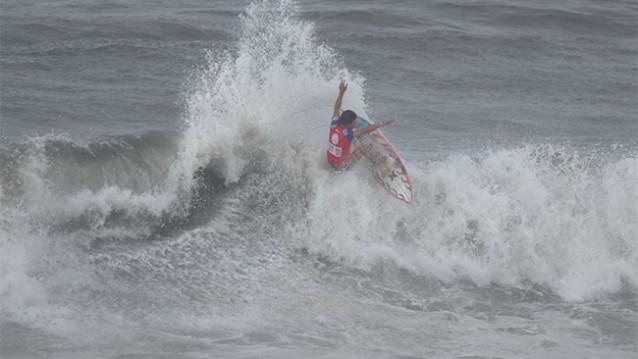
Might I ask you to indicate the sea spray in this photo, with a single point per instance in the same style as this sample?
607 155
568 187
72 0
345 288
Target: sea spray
265 86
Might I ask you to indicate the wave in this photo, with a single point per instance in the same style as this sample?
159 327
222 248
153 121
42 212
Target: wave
244 185
540 214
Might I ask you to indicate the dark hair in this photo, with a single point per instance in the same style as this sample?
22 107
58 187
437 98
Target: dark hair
347 117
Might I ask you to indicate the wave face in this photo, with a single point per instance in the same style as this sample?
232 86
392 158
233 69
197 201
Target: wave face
231 236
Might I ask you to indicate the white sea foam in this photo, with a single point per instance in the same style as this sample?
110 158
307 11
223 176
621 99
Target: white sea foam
533 215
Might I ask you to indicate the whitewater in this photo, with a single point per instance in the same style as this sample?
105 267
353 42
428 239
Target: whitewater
179 203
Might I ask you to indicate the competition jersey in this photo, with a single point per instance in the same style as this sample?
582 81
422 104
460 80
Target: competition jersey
339 143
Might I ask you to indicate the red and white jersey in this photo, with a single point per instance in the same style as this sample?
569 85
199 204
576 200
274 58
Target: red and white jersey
339 141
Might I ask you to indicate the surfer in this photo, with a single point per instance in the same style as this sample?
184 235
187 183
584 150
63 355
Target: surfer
343 129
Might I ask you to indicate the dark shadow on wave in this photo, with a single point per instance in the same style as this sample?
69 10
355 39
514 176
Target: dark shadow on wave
199 208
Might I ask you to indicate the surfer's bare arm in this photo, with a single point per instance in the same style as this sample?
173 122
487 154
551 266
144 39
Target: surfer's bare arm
362 131
342 90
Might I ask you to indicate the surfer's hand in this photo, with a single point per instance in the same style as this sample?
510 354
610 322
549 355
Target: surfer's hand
388 122
343 86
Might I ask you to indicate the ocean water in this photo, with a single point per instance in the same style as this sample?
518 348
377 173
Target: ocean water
164 191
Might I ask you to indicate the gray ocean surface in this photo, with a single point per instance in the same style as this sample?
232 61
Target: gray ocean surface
164 191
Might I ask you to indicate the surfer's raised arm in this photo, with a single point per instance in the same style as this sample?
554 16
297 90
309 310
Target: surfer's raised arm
342 90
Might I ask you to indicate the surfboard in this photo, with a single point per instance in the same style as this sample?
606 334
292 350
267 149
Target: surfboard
385 163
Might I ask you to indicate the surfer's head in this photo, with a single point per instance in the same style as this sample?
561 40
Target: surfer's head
347 118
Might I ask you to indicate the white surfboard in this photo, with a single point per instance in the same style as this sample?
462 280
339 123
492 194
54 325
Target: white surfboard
385 163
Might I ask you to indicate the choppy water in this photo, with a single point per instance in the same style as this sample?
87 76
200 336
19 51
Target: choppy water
164 191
